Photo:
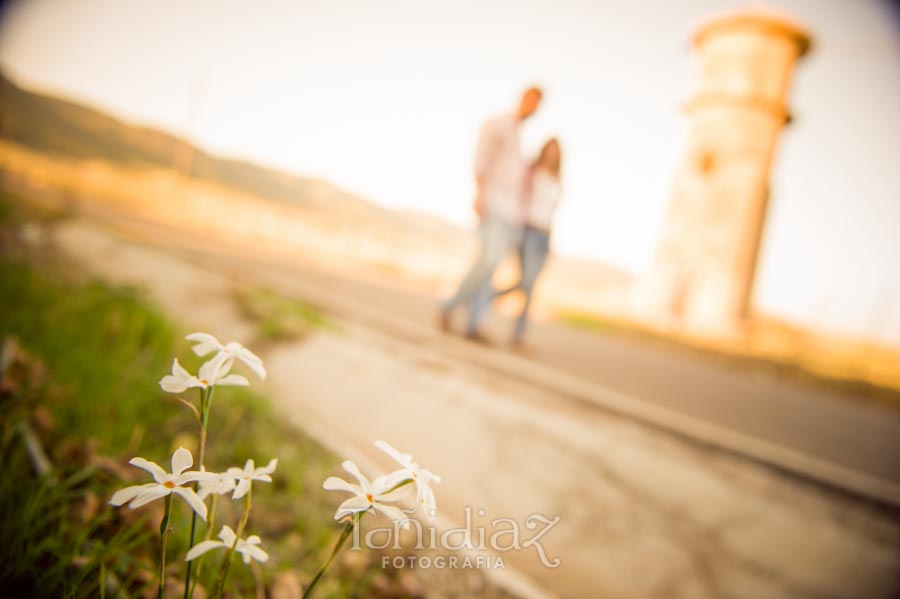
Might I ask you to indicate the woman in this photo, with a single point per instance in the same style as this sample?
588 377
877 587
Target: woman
542 195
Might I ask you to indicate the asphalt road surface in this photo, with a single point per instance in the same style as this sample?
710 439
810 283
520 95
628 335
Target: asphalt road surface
855 433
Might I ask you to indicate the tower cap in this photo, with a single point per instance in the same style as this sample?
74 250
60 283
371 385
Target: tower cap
756 17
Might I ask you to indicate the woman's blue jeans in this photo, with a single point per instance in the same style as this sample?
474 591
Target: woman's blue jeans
533 251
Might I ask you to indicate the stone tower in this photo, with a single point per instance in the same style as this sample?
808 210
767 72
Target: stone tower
701 279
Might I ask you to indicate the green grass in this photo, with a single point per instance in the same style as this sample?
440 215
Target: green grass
48 549
90 390
104 347
281 318
588 322
100 350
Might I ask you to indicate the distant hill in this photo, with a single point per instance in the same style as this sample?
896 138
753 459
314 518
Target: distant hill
63 128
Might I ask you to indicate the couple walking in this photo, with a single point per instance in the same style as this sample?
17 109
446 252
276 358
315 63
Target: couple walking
515 202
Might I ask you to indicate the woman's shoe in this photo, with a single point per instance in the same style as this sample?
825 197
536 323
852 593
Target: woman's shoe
444 321
519 345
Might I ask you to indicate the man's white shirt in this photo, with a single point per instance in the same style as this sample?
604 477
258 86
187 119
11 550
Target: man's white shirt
499 161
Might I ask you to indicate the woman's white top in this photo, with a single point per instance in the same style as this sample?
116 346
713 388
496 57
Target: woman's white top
544 197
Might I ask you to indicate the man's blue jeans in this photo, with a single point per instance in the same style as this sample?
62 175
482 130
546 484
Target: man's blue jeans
497 237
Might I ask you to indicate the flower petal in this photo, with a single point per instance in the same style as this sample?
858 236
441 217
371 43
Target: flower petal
243 486
404 459
227 535
125 495
201 337
215 368
429 503
241 352
354 470
355 504
194 475
159 475
149 494
395 479
428 476
395 495
201 548
333 483
218 486
234 380
392 512
206 343
192 500
270 467
254 552
181 461
252 362
171 384
179 371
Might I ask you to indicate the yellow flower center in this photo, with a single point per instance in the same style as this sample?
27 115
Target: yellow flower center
169 484
369 497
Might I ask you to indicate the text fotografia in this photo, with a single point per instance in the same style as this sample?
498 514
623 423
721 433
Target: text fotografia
411 562
501 535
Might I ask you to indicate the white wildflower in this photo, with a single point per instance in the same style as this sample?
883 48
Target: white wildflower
248 548
218 485
230 351
249 473
422 477
377 494
211 373
165 484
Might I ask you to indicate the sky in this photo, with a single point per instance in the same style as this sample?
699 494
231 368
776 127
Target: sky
385 100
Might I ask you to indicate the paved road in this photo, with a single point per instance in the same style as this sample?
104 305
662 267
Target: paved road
859 435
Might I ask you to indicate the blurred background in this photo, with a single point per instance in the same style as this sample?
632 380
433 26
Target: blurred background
723 266
383 106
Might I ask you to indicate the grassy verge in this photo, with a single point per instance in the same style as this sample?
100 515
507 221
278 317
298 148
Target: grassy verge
773 350
86 381
280 318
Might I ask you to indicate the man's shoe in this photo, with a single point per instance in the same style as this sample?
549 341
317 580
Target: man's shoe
478 337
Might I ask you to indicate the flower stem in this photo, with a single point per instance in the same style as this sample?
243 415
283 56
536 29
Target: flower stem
187 577
210 523
226 562
164 531
205 404
345 534
102 578
205 399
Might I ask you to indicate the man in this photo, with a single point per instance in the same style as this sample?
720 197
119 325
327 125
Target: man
499 175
